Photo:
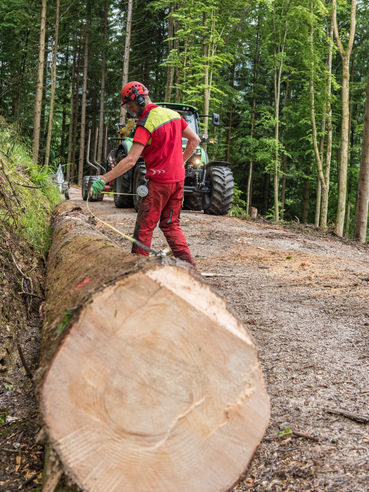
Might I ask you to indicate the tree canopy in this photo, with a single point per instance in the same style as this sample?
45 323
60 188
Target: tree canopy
291 100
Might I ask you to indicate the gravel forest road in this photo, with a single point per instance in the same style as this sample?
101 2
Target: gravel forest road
305 299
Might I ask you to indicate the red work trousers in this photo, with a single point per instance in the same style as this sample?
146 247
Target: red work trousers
163 205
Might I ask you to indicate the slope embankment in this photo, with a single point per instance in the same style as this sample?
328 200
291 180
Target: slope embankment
26 200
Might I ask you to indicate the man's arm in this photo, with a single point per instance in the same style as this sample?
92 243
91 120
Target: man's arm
125 164
193 141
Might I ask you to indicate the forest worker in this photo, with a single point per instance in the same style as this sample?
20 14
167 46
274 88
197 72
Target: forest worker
158 138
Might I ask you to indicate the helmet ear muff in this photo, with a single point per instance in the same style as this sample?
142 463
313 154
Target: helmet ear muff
139 99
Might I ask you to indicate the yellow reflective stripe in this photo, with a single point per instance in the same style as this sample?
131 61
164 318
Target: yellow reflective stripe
158 117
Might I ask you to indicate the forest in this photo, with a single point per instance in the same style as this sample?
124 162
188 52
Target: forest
289 79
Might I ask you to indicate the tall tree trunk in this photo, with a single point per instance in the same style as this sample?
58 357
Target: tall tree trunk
63 138
318 202
328 156
77 109
22 75
266 193
84 97
205 56
321 185
53 84
170 70
230 116
40 82
253 116
66 87
71 110
102 88
41 154
178 71
306 200
283 188
279 48
345 55
251 165
362 202
127 47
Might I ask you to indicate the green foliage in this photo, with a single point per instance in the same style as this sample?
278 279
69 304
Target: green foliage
238 205
285 432
32 193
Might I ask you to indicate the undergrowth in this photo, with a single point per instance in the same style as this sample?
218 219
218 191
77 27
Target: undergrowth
27 195
238 204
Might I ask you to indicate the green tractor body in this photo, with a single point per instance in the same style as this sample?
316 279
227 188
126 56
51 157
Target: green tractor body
208 185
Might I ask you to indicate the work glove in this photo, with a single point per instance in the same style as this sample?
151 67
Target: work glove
97 187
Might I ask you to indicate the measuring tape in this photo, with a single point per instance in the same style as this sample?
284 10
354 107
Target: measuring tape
129 238
142 191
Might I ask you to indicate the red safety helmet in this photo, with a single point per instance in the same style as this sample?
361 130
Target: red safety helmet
134 92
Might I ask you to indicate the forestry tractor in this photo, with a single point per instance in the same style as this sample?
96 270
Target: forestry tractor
208 185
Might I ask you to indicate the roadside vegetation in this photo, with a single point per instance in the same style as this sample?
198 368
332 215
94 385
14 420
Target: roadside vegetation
27 194
27 197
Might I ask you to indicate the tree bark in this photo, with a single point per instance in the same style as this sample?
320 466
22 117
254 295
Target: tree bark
251 165
256 62
84 97
53 84
279 48
345 128
102 89
127 47
71 111
328 155
229 116
40 83
170 69
361 215
206 62
306 201
147 382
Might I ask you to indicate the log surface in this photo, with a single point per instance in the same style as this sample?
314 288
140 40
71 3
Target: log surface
149 383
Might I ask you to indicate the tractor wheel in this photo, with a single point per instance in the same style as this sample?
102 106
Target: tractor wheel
97 198
85 182
122 185
193 201
219 201
138 180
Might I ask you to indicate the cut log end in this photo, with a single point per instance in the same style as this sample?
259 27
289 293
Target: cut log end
155 387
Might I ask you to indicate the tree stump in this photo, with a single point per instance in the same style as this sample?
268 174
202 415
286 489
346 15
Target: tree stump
148 382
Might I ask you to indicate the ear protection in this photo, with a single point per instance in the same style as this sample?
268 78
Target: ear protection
139 99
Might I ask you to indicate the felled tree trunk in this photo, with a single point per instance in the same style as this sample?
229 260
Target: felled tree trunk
148 383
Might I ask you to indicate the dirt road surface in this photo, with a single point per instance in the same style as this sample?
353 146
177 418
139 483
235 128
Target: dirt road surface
305 300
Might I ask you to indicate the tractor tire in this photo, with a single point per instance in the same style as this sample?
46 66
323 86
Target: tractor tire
138 180
85 182
122 185
219 201
97 198
193 201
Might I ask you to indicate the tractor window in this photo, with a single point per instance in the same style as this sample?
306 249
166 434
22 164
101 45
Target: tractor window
190 118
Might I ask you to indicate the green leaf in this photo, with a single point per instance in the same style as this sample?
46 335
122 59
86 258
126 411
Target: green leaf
286 432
